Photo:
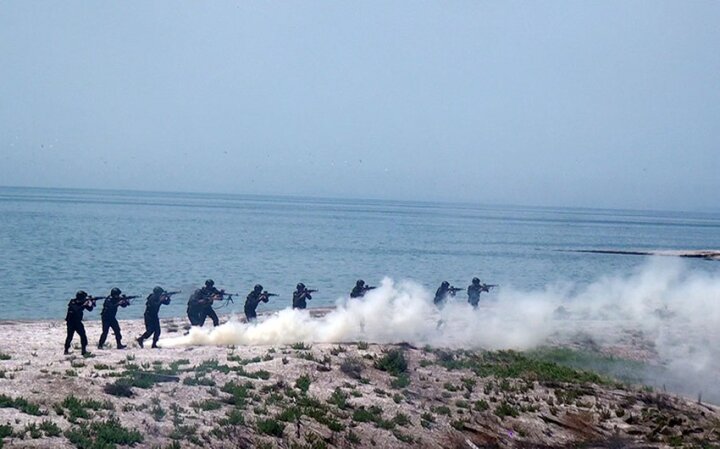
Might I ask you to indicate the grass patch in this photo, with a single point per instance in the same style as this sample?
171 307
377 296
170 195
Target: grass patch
270 427
21 404
4 356
102 435
352 367
393 362
303 383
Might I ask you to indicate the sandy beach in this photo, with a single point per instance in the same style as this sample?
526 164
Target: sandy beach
318 395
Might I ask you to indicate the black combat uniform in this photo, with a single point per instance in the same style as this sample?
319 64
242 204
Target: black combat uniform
206 297
76 308
152 319
442 292
194 308
109 320
359 290
473 292
252 301
299 296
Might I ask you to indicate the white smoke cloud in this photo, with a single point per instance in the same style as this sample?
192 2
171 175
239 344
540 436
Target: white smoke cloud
662 310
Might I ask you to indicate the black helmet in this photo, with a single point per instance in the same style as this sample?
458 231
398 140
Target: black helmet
80 295
445 284
258 287
301 286
115 292
360 283
209 283
476 281
158 290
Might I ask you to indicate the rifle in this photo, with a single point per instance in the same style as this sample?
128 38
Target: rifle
454 290
128 299
267 295
487 287
227 300
310 290
92 300
368 287
172 293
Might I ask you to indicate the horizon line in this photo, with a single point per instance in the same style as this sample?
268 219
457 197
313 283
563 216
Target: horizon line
340 198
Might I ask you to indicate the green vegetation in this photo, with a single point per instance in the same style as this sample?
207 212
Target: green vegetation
505 409
352 367
75 408
102 435
270 427
120 388
300 346
4 356
363 345
393 361
21 404
303 383
512 364
401 381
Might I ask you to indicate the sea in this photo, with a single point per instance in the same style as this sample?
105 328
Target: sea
54 242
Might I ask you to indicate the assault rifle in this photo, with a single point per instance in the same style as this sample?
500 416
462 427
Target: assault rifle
487 287
227 297
454 290
128 299
267 295
368 287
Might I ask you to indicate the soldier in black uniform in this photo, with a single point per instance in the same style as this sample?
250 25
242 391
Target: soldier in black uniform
207 295
109 320
300 294
194 309
152 321
360 289
252 301
443 292
76 307
473 292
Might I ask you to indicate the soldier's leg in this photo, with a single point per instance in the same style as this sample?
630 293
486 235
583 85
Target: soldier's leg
156 332
211 313
118 335
104 334
70 333
83 337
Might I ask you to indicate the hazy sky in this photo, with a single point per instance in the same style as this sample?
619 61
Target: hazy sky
576 103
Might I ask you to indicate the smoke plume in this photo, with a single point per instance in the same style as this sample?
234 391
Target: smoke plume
663 314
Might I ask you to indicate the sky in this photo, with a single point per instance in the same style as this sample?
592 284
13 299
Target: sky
588 104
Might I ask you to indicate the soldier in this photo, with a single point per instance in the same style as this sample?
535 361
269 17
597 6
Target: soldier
253 299
443 292
301 294
208 295
473 292
108 315
194 309
152 321
74 317
360 289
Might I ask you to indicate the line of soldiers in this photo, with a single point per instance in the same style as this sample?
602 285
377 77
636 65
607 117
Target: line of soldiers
200 307
82 302
473 291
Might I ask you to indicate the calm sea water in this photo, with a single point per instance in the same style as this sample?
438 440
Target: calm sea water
56 241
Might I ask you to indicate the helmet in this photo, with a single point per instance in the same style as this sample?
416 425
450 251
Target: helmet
301 286
80 295
476 281
445 284
360 283
115 292
209 283
258 287
158 290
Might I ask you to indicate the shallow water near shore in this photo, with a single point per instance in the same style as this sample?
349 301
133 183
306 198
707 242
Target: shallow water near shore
56 241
